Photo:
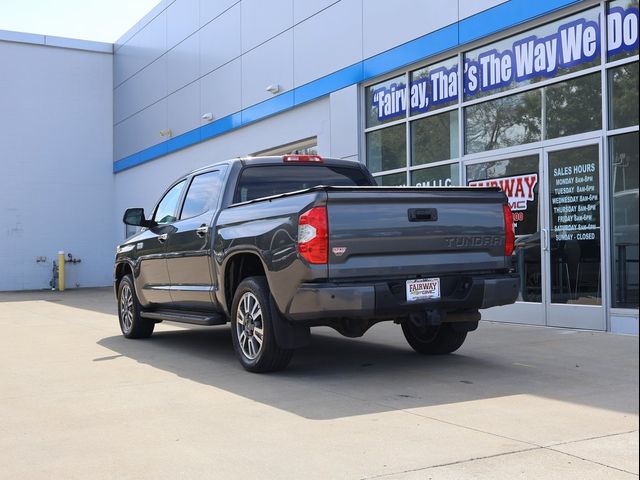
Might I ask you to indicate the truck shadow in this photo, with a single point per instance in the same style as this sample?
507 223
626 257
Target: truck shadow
336 377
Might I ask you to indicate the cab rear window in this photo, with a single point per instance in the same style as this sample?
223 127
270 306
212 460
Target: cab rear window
265 181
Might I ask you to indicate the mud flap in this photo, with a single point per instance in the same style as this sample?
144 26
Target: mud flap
288 335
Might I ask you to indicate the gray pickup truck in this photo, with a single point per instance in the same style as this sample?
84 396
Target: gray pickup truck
276 245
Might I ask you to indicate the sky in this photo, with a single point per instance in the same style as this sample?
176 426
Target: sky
99 20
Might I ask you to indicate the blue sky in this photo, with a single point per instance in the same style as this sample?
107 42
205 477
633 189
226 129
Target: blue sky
100 20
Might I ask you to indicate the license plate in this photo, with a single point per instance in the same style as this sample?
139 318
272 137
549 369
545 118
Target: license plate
423 289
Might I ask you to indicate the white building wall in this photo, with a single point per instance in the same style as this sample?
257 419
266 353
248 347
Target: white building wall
56 187
190 57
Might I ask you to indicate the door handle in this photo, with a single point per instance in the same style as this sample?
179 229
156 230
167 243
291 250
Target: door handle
162 238
545 239
202 230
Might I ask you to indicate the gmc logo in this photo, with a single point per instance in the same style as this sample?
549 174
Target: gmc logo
477 241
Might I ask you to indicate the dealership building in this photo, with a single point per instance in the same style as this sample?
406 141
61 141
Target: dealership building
537 97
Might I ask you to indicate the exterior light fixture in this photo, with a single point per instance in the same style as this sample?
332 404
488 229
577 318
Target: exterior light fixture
207 117
273 88
165 132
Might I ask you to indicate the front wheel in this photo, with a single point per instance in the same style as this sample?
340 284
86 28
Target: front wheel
438 340
254 341
132 324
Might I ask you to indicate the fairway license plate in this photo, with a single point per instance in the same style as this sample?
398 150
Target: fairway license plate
423 289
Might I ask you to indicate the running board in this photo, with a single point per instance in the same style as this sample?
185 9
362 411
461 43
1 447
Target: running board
194 319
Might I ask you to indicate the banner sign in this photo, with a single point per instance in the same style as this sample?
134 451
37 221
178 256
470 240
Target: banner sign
519 189
573 43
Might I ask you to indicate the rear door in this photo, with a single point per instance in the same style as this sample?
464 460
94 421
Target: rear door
404 232
189 245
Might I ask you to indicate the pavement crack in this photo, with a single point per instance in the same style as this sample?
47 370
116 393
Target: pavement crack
458 462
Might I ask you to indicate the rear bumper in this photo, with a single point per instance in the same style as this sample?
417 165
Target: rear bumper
316 302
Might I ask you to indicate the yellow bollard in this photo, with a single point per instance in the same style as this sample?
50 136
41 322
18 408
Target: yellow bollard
61 271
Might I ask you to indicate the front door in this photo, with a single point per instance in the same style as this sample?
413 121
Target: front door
520 177
572 237
554 194
189 245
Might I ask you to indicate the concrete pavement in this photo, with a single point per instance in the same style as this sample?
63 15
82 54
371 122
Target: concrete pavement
79 401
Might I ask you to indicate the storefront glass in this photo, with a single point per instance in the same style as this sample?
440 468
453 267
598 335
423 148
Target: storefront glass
623 95
554 122
557 48
434 138
387 149
441 176
503 122
519 178
574 106
623 154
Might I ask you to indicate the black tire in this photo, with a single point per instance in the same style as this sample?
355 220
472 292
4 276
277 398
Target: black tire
249 322
438 340
131 324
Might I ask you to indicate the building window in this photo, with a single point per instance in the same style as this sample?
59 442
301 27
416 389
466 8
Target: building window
503 122
574 106
564 46
434 138
387 101
623 95
623 155
393 180
622 29
387 148
441 176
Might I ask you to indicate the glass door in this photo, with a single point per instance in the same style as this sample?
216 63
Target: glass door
519 175
572 238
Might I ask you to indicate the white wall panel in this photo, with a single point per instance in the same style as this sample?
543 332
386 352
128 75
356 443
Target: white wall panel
142 49
184 109
220 40
303 9
210 9
262 20
220 91
471 7
142 130
389 24
183 64
269 64
146 87
316 56
344 122
182 20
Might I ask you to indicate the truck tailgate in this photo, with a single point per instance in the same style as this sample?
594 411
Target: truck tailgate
404 232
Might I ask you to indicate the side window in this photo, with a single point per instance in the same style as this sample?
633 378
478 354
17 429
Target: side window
166 210
203 194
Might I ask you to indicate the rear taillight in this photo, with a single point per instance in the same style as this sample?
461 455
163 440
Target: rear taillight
509 233
302 158
313 235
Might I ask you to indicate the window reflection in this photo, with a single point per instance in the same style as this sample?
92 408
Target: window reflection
623 151
504 122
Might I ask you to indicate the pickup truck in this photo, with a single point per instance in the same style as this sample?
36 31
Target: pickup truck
276 245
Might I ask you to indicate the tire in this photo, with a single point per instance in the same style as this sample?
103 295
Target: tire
438 340
131 324
254 341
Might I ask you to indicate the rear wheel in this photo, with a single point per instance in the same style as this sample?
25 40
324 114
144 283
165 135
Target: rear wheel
132 324
252 332
438 340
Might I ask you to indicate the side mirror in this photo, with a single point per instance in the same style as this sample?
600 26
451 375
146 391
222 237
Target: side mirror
135 217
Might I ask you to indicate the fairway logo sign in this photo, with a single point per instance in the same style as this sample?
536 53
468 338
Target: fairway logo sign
573 43
519 189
